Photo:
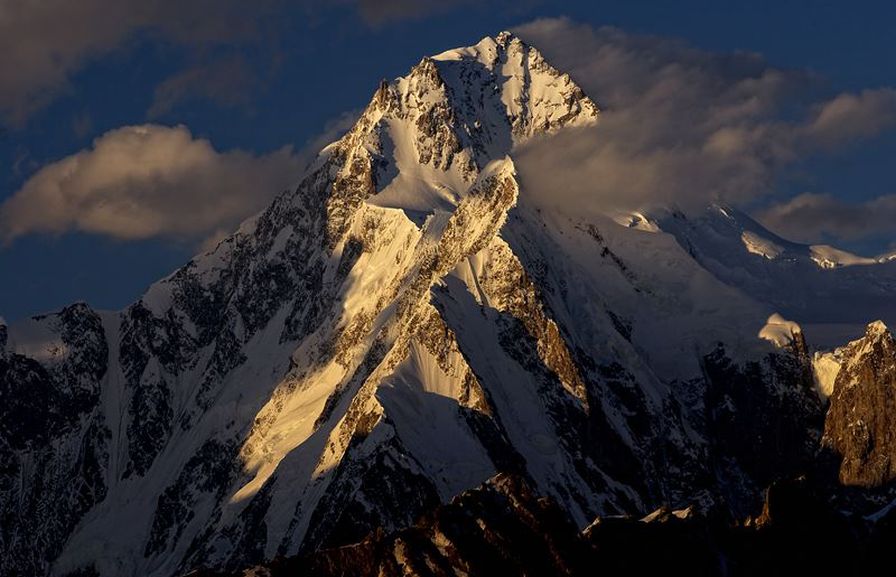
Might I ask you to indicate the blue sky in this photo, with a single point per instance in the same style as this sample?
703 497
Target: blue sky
286 72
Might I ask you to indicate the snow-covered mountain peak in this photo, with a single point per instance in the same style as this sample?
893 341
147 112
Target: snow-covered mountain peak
421 142
536 97
490 51
877 330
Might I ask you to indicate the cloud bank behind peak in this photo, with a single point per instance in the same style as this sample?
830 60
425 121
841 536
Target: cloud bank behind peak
682 126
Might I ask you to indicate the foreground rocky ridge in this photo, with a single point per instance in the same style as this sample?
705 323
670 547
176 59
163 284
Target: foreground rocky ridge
502 528
404 325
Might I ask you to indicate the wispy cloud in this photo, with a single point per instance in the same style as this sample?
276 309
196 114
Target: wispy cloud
378 12
42 43
227 81
814 218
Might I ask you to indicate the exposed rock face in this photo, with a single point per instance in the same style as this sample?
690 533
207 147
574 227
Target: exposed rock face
764 420
402 326
502 528
859 428
54 442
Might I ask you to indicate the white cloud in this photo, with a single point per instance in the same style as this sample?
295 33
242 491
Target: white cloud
148 181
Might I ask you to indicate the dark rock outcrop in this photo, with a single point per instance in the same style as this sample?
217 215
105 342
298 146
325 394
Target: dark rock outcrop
503 528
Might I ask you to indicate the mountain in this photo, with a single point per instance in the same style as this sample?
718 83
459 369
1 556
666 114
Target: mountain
409 322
